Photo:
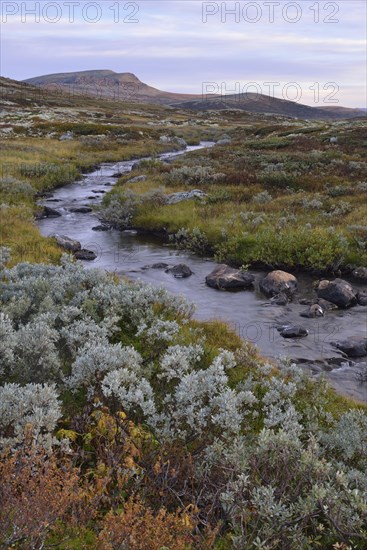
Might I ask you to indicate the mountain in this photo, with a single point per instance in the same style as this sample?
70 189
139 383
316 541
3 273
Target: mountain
107 84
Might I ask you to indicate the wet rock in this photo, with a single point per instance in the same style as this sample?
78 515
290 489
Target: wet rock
179 271
224 277
68 244
353 347
360 275
293 331
326 305
174 198
280 299
158 265
315 310
81 209
84 254
48 212
278 282
339 292
137 179
102 227
98 191
362 297
53 200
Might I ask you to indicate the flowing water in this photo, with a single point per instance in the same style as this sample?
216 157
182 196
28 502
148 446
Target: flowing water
252 316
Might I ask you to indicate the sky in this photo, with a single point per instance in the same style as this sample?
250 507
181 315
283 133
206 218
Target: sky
313 52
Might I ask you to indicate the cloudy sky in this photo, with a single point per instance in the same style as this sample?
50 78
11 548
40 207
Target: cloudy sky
310 51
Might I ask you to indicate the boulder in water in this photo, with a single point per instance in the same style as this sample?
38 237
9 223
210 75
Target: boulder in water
339 292
179 271
293 331
81 209
48 212
277 282
84 254
315 310
353 347
224 277
67 243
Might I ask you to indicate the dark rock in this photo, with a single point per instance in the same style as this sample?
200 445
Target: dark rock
360 275
107 184
362 297
53 200
92 198
158 265
315 310
226 278
81 209
179 271
326 305
101 227
98 191
67 243
280 299
305 302
338 292
353 347
277 282
50 213
293 331
84 254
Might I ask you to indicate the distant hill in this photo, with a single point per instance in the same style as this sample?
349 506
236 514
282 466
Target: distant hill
108 84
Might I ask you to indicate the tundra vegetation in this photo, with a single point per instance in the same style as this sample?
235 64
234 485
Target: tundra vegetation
124 422
278 195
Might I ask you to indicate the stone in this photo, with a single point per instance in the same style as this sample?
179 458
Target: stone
362 297
360 275
179 271
50 212
67 136
81 209
315 310
280 299
333 139
101 227
225 141
137 179
339 292
326 305
84 254
224 277
158 265
277 282
67 243
293 331
353 347
174 198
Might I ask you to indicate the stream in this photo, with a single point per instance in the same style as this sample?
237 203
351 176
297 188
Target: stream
250 314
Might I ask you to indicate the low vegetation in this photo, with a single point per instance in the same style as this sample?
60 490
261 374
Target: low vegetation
275 196
124 422
128 424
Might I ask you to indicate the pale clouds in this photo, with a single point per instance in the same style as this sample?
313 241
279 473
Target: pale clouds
170 47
